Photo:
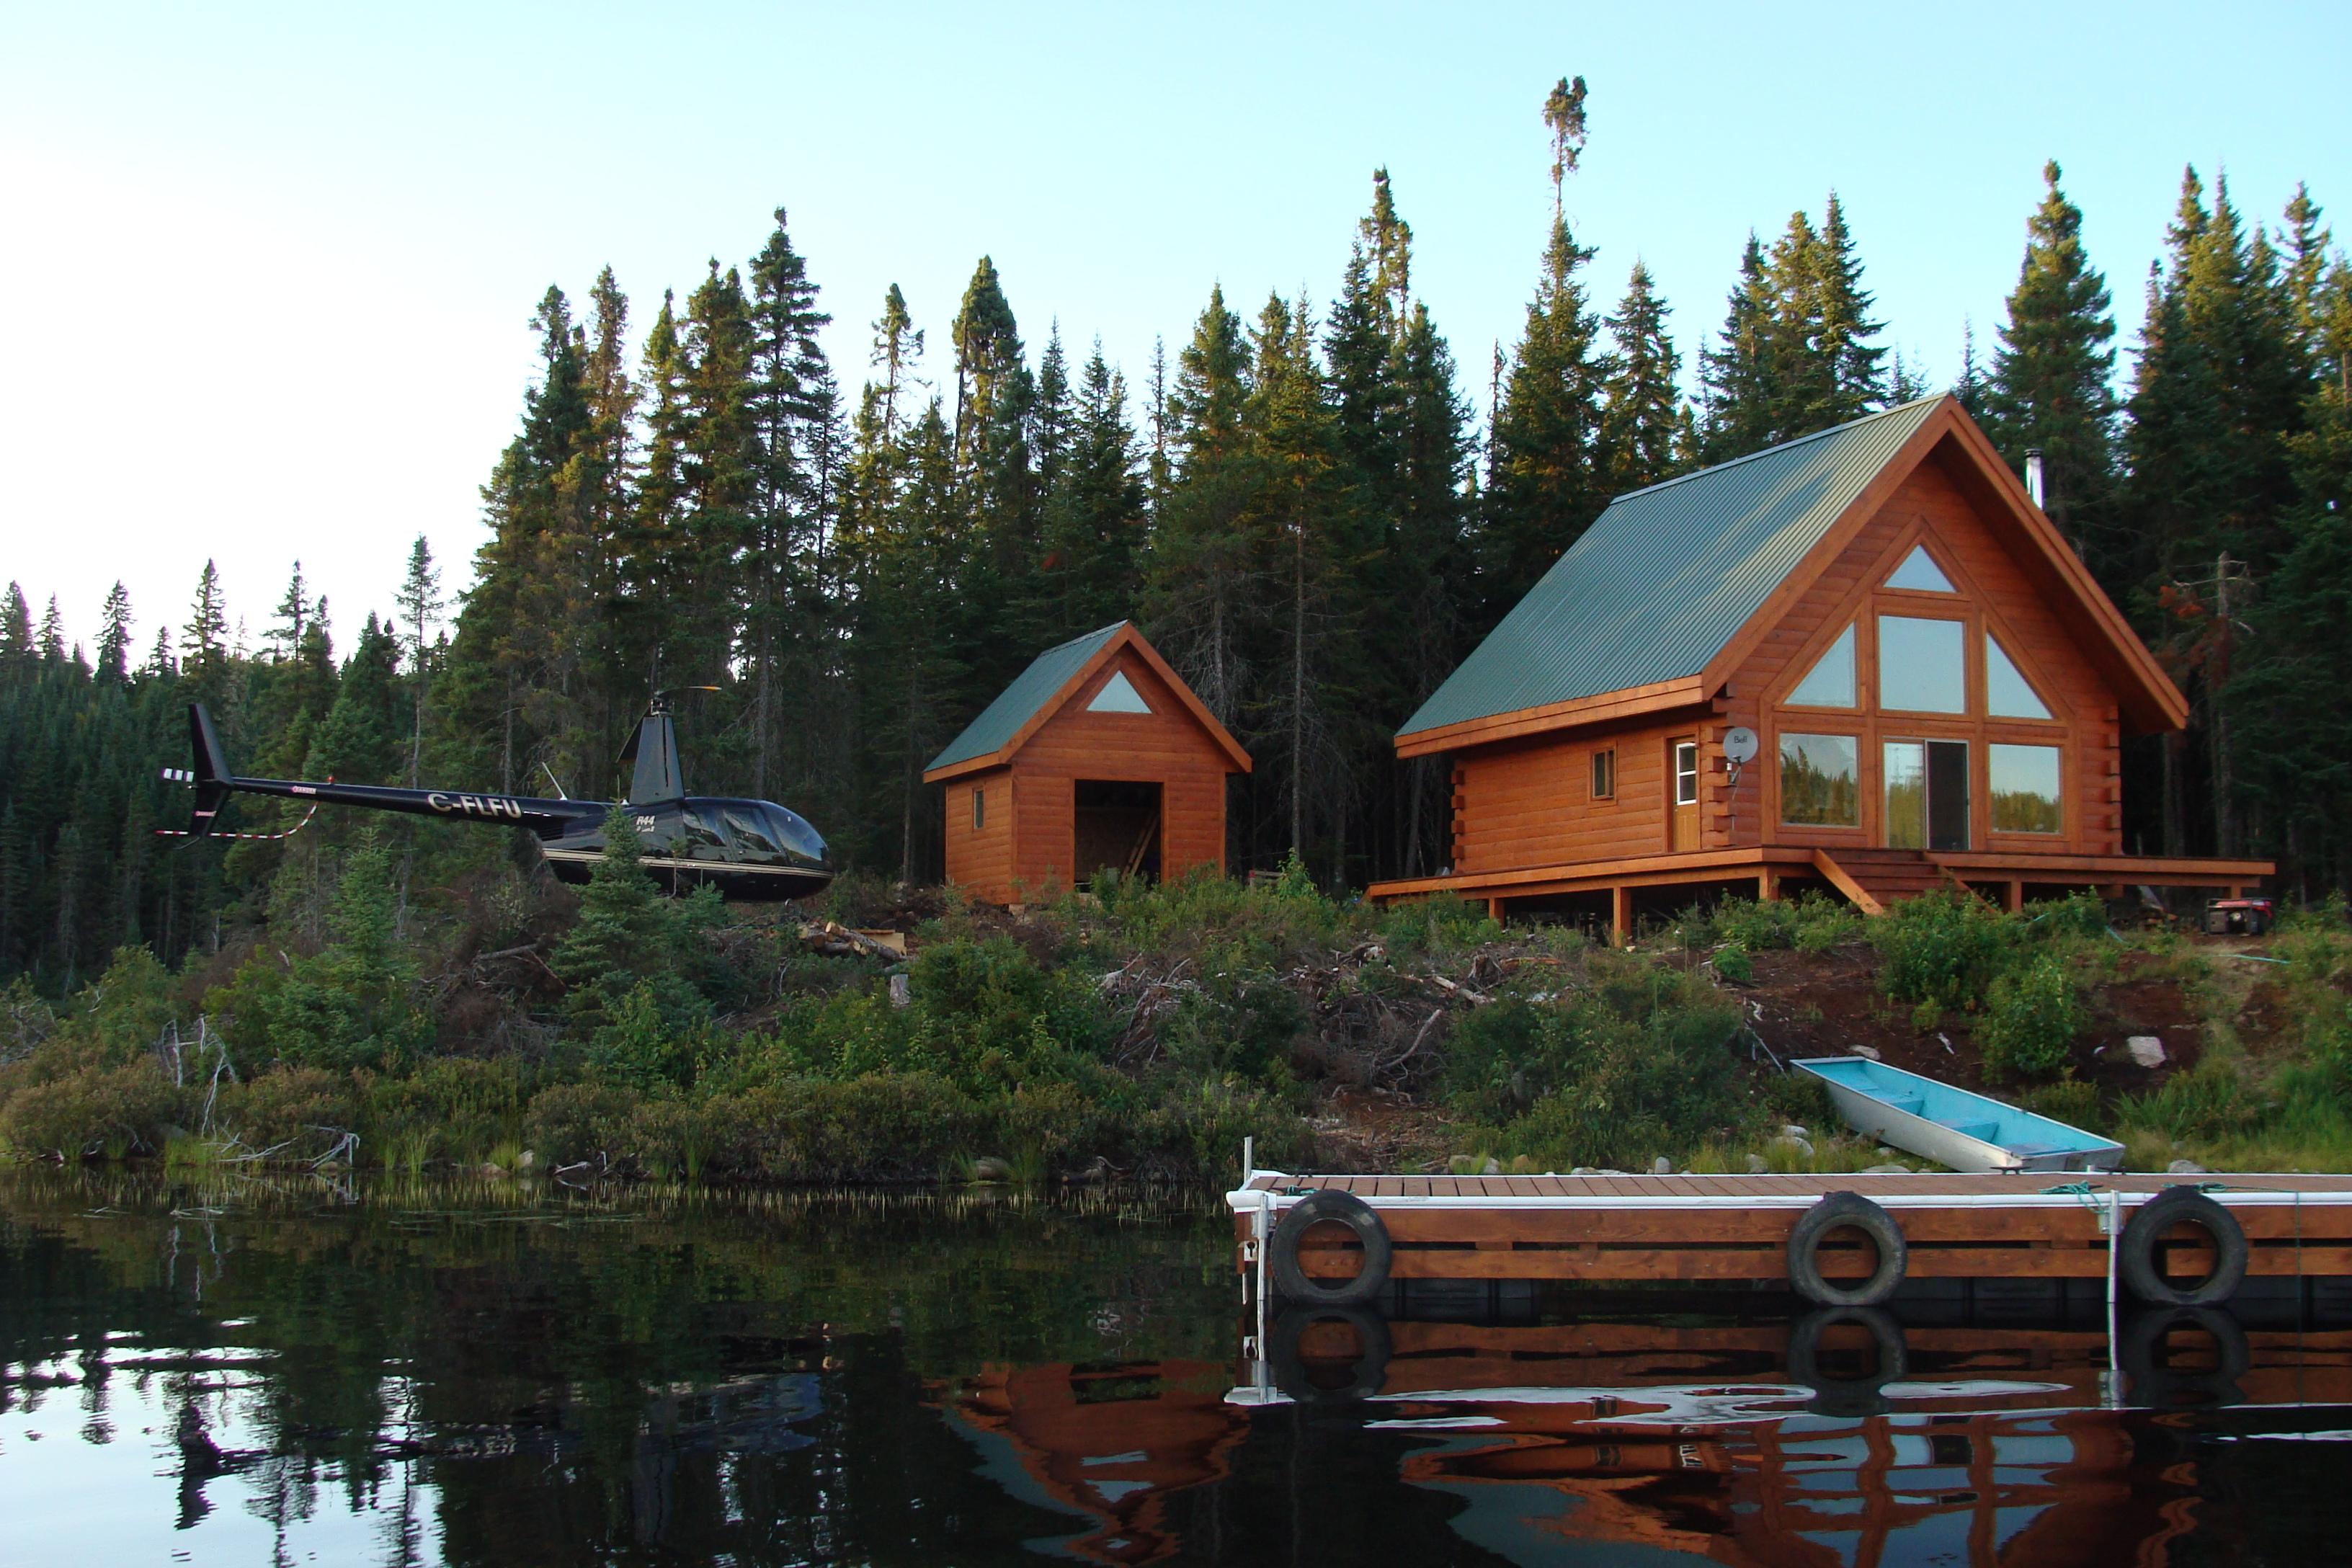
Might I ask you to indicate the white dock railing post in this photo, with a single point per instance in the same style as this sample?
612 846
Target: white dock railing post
2115 1352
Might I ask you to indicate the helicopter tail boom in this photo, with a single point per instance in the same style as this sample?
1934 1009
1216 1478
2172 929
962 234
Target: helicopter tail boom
209 771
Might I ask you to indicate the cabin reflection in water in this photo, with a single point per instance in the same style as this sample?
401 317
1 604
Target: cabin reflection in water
1107 1442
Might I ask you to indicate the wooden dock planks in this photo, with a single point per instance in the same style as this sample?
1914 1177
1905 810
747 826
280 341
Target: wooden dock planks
1695 1229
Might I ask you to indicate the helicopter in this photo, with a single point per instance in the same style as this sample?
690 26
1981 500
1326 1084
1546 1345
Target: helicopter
753 851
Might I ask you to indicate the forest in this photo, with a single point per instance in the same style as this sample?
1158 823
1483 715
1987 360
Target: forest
1310 507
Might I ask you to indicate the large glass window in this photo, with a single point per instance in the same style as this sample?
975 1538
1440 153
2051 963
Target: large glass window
1922 665
1820 781
1830 683
2008 694
1904 766
2025 789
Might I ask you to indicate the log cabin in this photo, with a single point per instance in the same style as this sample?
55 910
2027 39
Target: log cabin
1098 756
1863 659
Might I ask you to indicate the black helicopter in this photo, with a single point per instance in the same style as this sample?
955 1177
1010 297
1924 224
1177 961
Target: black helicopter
751 850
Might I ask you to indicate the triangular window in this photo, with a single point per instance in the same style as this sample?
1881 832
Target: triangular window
1830 683
1118 695
2008 694
1920 574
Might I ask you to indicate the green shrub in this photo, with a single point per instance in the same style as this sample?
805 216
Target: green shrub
1734 963
1448 923
2209 1101
2081 916
568 1122
1941 948
2073 1100
2031 1019
109 1110
291 1106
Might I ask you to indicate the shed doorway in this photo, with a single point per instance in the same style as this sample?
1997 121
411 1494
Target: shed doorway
1118 828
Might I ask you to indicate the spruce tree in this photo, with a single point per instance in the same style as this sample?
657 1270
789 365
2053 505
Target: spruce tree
420 605
1641 411
1739 375
114 637
2051 385
203 641
1548 485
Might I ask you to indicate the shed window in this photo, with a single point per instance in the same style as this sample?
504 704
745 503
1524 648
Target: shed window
1922 665
2025 789
1686 772
1830 683
979 809
2008 694
1604 773
1118 695
1920 574
1820 781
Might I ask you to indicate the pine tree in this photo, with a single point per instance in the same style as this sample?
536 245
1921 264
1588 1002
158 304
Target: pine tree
1642 412
1094 511
114 637
1840 327
1548 485
52 639
1740 376
16 628
203 641
2051 385
1203 567
790 387
420 603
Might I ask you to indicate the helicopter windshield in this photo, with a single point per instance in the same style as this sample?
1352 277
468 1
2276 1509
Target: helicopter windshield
762 828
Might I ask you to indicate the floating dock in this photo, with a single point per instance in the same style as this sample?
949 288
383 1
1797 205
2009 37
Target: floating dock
1694 1229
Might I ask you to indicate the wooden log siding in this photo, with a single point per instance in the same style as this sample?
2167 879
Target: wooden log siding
1995 596
1526 801
982 857
1036 791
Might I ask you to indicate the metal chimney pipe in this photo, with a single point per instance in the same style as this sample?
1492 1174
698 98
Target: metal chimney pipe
2033 474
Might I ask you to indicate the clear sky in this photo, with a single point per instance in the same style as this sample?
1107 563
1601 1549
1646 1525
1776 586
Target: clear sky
265 271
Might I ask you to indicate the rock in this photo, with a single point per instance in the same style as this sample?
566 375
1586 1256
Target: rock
1463 1164
1756 1165
2185 1168
491 1169
1662 1166
1889 1169
1793 1130
526 1160
1867 1053
1796 1141
989 1168
1585 1170
901 990
1493 1168
2147 1050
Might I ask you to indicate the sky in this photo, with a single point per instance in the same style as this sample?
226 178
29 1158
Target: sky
267 272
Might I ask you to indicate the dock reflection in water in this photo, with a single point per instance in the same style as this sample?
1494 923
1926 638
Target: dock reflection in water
1842 1437
412 1376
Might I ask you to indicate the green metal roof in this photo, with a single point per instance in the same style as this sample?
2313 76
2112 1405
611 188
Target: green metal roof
1018 704
1669 575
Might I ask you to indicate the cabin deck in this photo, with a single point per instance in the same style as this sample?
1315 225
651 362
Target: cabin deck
1871 878
1733 1228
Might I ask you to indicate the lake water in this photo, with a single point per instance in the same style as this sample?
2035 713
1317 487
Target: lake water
290 1373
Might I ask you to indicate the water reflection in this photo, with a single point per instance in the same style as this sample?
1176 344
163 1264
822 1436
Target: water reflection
265 1374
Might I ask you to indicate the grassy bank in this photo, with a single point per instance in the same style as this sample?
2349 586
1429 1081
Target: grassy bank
1141 1031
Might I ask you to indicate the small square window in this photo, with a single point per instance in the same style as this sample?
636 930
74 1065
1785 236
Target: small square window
1604 774
1685 773
979 809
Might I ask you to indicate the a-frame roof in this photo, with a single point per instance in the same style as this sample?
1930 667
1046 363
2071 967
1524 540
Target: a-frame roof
1641 613
1052 678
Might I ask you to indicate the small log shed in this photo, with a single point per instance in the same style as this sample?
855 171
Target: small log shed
1096 756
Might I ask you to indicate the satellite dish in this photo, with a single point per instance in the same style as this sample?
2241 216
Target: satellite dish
1739 744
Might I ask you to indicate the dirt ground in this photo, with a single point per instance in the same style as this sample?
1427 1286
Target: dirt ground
1805 1004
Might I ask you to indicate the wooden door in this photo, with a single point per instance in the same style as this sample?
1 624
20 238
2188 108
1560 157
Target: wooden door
1682 793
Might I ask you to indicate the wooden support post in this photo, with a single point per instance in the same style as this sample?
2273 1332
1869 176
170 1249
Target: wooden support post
2015 893
1767 886
1621 914
1494 911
